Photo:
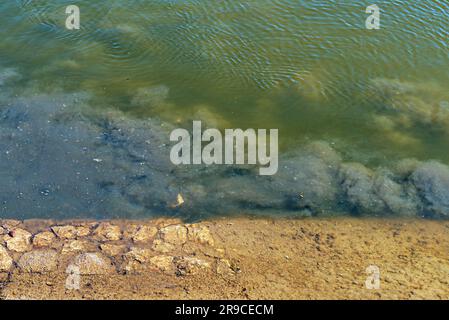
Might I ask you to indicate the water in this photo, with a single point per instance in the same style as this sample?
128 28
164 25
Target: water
308 68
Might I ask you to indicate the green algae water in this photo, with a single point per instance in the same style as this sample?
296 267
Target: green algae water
311 69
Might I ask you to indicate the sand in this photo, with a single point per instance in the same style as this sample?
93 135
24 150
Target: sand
245 258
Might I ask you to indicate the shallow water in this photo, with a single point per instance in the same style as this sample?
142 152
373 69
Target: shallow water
308 68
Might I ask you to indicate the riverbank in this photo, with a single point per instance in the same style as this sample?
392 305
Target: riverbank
224 258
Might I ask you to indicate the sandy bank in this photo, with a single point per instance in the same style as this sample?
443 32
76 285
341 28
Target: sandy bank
240 258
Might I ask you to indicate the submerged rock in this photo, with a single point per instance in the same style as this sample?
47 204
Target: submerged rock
369 192
151 97
411 103
431 179
7 75
308 180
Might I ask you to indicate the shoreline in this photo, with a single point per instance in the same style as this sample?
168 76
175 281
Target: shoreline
224 258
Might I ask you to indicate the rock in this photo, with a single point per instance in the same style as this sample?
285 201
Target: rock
8 74
163 263
357 184
307 181
200 234
151 97
175 234
18 240
93 264
43 239
112 249
70 232
76 246
135 260
141 255
39 261
82 231
144 234
161 246
106 231
224 267
9 224
190 265
6 261
130 230
431 179
370 192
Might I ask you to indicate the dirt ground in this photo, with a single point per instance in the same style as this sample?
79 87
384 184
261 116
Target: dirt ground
260 259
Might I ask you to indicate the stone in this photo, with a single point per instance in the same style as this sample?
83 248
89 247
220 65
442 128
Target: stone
93 264
161 246
141 255
136 259
76 246
431 179
82 231
224 267
175 234
200 234
130 230
39 261
150 97
106 231
375 192
70 232
10 224
18 240
144 234
190 265
112 249
43 239
163 263
6 261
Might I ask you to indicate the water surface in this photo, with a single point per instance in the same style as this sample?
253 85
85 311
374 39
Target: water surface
309 68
